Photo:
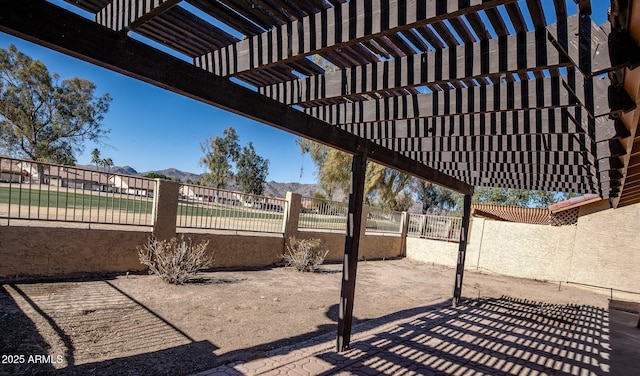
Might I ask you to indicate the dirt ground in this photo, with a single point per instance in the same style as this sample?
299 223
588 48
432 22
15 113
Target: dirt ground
136 324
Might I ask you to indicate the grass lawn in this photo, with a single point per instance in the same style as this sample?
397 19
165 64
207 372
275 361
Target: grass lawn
71 199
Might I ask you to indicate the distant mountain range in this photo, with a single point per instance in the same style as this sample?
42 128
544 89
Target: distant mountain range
271 188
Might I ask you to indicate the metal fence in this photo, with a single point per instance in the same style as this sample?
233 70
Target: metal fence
383 220
42 191
434 227
210 208
323 214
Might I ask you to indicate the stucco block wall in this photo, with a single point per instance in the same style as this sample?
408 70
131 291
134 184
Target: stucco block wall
242 250
433 251
47 251
60 251
607 248
371 247
603 249
523 250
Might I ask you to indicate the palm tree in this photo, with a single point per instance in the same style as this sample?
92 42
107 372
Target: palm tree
107 163
95 157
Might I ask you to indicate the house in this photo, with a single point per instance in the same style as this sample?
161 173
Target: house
132 185
208 194
11 172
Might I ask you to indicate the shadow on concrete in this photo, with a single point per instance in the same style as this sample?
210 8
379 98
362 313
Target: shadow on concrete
491 336
625 338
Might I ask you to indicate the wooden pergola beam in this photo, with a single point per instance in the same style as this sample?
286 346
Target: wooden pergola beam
504 144
542 122
533 169
337 27
130 14
530 51
576 158
351 248
528 178
66 32
521 95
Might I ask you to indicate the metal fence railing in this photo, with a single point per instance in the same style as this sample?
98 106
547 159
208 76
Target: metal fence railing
42 191
383 220
434 227
323 214
210 208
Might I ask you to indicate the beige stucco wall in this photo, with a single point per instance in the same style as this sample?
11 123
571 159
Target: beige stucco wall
233 250
433 251
603 249
524 250
60 251
372 247
45 251
607 248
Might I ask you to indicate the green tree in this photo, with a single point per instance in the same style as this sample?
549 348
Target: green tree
435 198
518 197
252 170
107 163
95 157
43 118
219 154
334 173
156 175
389 187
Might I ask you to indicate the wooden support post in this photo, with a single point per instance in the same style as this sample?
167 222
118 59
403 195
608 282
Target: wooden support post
350 261
462 250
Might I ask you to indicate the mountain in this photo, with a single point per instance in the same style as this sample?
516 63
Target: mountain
271 188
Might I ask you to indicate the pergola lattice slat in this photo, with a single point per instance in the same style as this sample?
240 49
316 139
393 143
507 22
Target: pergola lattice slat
456 63
333 28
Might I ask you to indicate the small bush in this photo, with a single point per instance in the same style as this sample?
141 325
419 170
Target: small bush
304 254
175 260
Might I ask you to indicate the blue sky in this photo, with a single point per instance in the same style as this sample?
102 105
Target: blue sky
154 129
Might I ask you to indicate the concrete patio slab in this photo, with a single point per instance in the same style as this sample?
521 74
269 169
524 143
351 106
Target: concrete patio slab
505 336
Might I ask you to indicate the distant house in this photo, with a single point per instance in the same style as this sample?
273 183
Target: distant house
71 177
11 172
132 185
208 194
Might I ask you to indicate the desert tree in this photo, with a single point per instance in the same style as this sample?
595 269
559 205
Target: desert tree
219 155
333 172
252 171
42 117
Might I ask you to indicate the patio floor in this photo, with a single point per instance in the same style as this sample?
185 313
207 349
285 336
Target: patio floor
505 336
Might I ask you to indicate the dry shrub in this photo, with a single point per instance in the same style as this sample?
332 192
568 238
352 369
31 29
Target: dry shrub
175 260
304 254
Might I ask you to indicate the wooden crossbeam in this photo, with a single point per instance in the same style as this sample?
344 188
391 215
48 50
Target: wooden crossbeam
521 95
536 169
130 14
547 121
507 143
522 178
500 56
566 37
517 157
53 27
343 25
551 187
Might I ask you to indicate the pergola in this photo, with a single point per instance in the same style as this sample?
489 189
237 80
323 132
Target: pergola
461 93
